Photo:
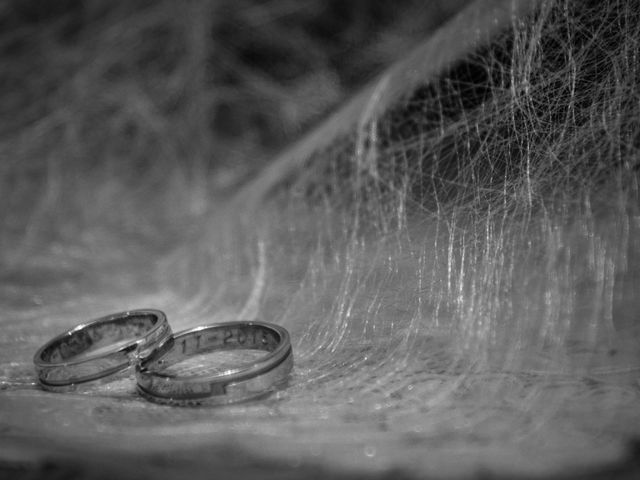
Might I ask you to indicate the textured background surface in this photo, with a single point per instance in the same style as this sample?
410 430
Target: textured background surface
459 285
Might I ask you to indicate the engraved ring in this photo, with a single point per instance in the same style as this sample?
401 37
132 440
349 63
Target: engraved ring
99 349
155 383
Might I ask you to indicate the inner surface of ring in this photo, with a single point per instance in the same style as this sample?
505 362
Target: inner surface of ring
99 335
218 338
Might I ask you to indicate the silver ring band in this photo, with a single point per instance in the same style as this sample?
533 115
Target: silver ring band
242 383
100 348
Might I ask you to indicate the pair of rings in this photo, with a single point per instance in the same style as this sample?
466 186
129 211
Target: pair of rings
110 346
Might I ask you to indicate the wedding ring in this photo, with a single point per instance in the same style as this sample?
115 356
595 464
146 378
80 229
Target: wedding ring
99 349
155 383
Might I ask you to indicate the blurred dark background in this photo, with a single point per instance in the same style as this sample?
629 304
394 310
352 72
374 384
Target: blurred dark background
216 86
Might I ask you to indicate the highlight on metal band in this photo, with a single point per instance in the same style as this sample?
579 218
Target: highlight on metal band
100 349
246 381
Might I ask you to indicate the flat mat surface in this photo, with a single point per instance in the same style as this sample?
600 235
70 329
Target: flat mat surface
345 413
